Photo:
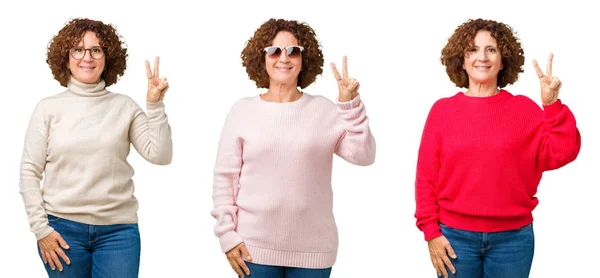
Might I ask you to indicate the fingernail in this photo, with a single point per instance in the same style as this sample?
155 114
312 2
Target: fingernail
249 258
67 247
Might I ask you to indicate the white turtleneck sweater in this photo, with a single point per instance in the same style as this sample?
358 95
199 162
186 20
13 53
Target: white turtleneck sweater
80 140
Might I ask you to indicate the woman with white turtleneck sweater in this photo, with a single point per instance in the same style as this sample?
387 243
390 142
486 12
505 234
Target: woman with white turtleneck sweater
85 215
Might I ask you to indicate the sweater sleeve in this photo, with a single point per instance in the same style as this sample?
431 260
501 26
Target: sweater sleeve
428 165
561 141
150 134
225 185
357 144
33 164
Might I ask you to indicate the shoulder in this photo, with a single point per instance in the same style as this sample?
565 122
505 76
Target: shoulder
243 103
319 101
241 107
122 100
525 103
443 104
55 100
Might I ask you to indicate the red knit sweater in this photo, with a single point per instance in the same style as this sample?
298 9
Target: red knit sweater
482 158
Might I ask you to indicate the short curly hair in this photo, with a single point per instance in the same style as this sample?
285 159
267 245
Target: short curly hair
253 55
453 54
71 34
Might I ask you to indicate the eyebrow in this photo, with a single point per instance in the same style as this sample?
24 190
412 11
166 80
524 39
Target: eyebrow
487 46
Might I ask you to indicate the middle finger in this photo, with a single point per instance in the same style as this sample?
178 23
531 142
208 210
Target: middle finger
243 265
236 268
448 263
62 254
549 66
440 265
345 67
156 61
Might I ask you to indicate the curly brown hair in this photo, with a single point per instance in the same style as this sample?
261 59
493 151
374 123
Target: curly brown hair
453 54
253 55
71 34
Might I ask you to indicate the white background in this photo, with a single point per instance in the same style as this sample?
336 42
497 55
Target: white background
394 53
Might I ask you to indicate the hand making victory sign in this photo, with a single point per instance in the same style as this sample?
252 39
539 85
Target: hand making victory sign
548 83
157 87
348 86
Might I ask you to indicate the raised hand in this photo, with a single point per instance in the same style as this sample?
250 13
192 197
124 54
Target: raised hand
548 83
348 87
157 87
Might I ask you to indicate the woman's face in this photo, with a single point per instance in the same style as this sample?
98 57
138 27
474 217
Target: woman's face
87 59
483 60
284 67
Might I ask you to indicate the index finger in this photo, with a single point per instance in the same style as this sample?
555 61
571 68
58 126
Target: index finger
345 67
148 70
336 74
538 71
243 265
156 60
549 66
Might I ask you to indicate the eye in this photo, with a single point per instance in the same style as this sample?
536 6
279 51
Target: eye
97 50
77 49
472 49
492 50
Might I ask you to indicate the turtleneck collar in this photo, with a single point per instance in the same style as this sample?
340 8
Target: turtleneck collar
87 90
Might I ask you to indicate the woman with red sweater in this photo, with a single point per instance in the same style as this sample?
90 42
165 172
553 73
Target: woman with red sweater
483 153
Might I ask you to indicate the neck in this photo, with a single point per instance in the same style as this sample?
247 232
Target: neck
282 93
87 90
482 90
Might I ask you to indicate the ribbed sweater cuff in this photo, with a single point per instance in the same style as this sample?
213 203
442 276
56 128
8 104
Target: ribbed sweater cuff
432 231
553 109
43 232
349 104
229 240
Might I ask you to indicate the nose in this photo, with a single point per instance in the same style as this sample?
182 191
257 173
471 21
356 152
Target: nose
482 55
87 55
284 58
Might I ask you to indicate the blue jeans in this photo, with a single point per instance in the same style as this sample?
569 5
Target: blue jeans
506 254
269 271
97 250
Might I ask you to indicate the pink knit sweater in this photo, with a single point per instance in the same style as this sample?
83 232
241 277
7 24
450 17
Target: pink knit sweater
272 178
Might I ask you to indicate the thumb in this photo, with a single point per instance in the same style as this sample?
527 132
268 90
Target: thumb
62 242
245 253
353 86
554 83
450 251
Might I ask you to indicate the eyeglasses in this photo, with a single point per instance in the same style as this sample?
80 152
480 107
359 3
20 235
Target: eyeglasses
78 52
293 51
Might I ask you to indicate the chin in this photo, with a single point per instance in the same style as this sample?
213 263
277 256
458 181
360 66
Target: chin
89 80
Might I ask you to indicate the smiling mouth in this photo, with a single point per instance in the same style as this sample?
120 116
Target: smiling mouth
87 68
482 68
283 69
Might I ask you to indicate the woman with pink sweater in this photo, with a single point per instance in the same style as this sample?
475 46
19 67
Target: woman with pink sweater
272 179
